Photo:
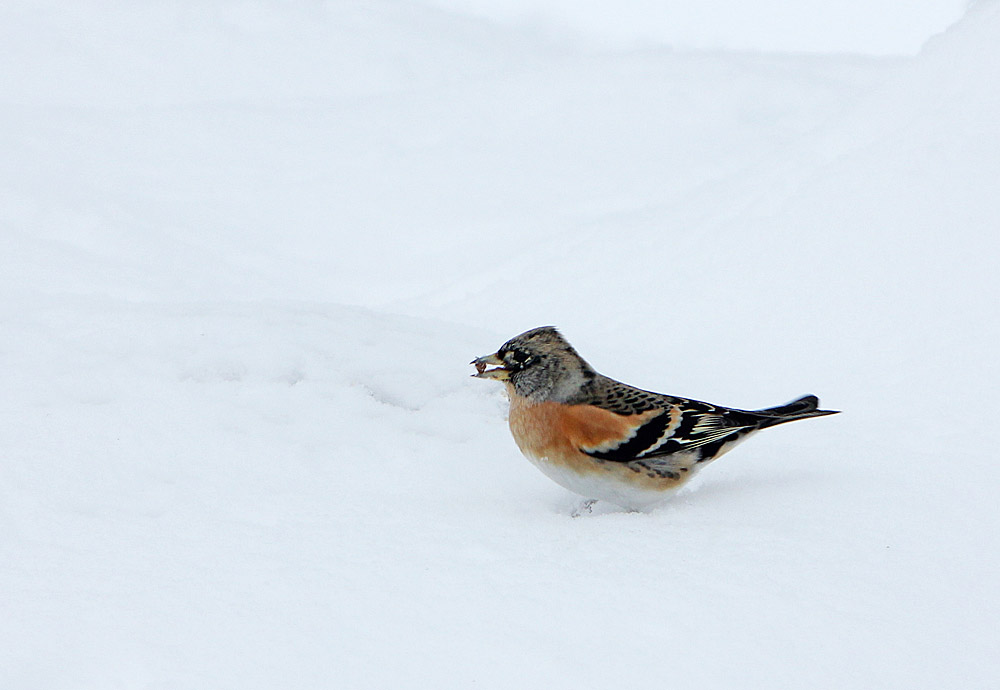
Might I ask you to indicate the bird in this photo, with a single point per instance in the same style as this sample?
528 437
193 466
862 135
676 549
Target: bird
606 440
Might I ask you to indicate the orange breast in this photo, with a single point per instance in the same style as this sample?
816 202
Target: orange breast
557 432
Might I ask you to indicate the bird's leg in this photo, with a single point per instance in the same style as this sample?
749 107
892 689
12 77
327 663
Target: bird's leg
584 507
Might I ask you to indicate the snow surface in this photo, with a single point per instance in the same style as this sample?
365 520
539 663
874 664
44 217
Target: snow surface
249 248
881 27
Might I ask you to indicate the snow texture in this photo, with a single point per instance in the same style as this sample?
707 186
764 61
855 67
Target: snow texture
248 248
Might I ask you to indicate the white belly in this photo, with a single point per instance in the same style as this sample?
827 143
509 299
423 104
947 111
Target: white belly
606 486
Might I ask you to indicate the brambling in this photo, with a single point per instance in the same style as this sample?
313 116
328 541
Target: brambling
606 440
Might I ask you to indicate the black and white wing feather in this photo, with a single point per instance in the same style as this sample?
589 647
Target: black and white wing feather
682 433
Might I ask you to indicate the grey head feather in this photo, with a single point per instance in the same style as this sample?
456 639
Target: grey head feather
544 366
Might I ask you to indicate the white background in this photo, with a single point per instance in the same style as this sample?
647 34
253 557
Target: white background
248 248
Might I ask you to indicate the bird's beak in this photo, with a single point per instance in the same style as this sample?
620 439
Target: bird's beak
499 374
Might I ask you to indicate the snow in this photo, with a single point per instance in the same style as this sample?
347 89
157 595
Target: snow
883 27
248 249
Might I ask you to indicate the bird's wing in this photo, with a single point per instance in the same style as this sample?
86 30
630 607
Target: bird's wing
663 425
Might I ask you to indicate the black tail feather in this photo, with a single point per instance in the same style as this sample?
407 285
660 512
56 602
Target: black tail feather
803 408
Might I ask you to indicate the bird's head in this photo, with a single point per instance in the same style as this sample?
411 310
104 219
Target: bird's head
538 364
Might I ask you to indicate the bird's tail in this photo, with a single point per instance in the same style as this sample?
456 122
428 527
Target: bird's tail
803 408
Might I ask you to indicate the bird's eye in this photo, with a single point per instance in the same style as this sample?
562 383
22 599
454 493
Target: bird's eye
520 357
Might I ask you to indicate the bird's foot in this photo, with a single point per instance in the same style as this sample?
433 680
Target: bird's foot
584 507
